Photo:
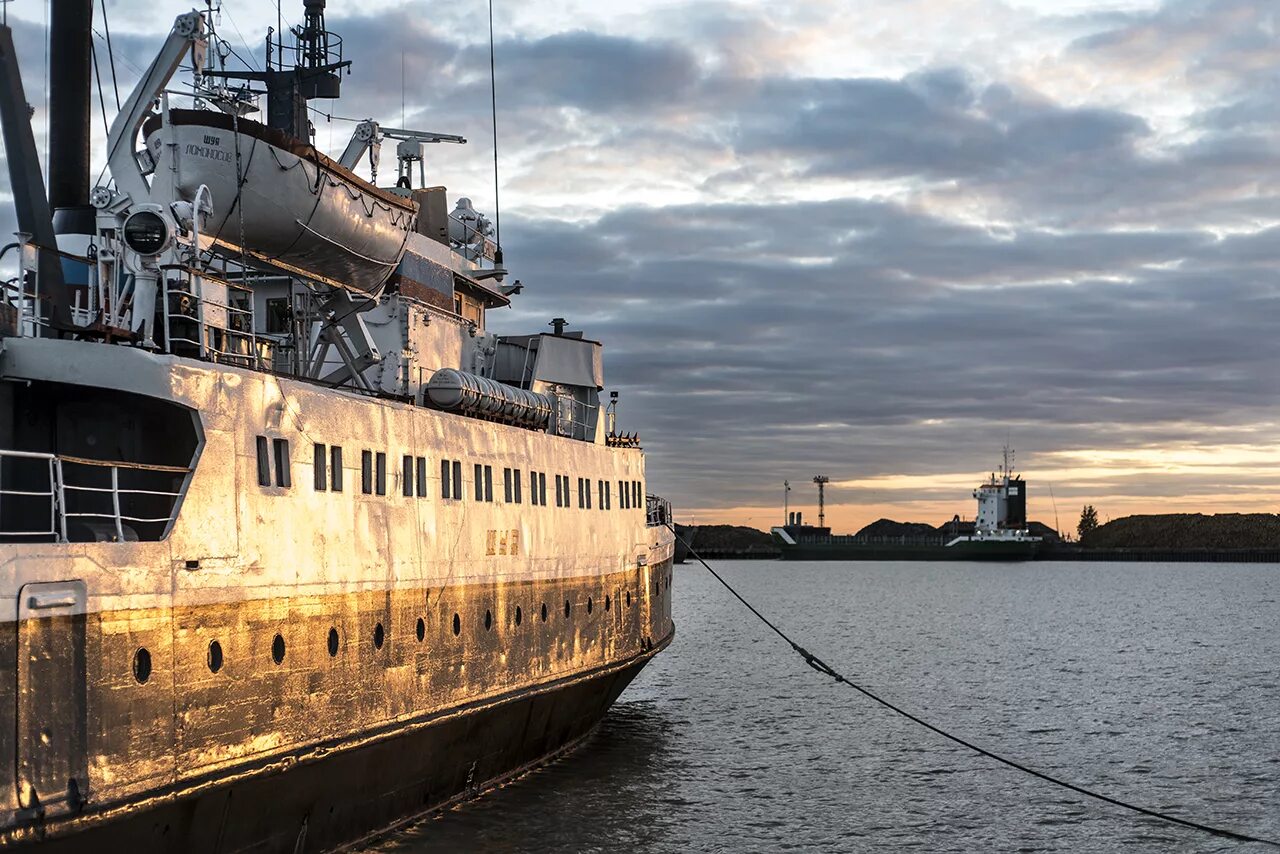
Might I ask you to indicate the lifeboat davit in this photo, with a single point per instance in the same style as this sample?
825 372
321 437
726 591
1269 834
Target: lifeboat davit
281 199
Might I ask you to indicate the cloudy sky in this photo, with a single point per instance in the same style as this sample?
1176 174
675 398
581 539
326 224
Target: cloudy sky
864 239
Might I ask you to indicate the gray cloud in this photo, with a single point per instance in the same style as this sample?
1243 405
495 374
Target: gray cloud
1064 272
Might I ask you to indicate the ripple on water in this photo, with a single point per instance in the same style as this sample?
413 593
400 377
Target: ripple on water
1155 683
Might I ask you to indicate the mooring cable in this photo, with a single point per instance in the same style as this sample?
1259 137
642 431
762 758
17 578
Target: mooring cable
827 670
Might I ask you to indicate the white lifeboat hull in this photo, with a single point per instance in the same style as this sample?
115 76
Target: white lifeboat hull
291 204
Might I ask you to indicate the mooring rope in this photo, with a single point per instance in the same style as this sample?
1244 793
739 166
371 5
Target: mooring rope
827 670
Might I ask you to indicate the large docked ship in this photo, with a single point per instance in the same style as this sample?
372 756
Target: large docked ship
999 533
294 546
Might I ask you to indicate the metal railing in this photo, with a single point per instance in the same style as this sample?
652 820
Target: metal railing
22 508
657 511
83 493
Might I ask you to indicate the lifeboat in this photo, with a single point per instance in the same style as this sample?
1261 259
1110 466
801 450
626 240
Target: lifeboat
281 199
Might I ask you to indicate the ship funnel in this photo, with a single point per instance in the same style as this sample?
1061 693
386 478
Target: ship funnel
70 52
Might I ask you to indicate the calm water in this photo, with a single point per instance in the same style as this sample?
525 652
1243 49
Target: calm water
1155 683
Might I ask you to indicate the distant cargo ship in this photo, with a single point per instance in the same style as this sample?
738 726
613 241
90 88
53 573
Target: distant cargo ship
1000 532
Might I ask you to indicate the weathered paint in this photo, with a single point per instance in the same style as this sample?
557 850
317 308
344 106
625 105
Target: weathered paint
244 564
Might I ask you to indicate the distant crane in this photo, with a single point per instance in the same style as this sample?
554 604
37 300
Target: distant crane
822 480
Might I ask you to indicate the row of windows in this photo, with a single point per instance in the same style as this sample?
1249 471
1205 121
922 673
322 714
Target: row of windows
274 470
142 666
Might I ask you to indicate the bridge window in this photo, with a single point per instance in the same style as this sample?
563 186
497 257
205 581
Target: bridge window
451 479
382 473
335 468
406 476
422 477
366 472
264 462
282 463
542 488
321 461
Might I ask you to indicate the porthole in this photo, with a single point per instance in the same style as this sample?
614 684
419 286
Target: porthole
215 656
457 625
378 636
488 620
606 601
544 612
589 604
518 615
566 607
142 665
422 629
333 641
277 649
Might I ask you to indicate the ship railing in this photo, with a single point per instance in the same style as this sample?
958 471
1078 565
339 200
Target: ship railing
24 307
475 244
574 418
94 491
216 330
657 511
863 540
47 497
29 496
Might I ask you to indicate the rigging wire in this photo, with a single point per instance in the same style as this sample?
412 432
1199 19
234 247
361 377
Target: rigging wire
250 64
111 54
493 100
825 669
102 99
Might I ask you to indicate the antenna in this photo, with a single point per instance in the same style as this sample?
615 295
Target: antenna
1055 511
493 100
822 480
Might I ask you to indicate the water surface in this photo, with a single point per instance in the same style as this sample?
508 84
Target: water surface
1155 683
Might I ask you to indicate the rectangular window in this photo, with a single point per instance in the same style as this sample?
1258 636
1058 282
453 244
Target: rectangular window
366 472
608 499
542 488
533 487
586 490
264 462
422 477
600 494
515 484
321 460
445 491
558 499
278 316
622 497
457 480
283 477
488 483
406 476
580 501
382 473
506 485
479 473
639 494
335 468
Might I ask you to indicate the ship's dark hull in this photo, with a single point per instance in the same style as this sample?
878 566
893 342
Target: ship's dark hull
976 551
327 800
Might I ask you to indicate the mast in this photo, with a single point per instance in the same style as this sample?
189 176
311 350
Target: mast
822 480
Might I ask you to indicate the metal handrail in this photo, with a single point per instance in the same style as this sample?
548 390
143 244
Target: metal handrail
657 511
59 489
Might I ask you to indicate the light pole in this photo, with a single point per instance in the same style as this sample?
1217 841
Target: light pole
822 480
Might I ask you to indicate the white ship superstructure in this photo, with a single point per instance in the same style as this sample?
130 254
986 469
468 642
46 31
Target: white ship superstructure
295 545
1002 509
